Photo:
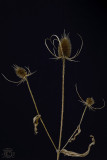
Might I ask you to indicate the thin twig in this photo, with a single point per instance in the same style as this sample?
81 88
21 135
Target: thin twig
39 114
83 115
76 128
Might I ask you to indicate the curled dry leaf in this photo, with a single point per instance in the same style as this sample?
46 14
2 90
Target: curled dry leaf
78 131
35 122
74 154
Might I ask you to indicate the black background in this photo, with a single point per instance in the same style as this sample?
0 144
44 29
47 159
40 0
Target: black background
23 29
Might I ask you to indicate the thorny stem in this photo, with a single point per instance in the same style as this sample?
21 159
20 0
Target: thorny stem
62 110
76 128
39 114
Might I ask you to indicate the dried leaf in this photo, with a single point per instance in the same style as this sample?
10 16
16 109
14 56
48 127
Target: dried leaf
35 122
74 154
78 130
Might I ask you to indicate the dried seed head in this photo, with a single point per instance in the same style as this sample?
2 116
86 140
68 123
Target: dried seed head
64 47
20 72
90 101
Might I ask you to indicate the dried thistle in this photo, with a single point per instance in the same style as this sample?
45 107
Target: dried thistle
63 50
64 47
22 73
64 53
89 102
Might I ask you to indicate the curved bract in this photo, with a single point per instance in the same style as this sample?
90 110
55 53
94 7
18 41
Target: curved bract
64 47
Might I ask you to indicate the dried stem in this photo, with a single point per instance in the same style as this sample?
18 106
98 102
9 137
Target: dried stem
83 115
39 114
76 130
62 110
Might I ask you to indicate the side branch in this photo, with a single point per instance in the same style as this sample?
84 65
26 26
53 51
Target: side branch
39 114
77 130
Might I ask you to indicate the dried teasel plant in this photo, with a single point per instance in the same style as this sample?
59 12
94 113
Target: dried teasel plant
63 52
88 104
23 74
89 101
64 47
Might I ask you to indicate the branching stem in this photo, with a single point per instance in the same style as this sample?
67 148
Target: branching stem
76 128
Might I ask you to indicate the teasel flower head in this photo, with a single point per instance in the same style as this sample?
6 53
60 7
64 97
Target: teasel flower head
64 47
21 72
89 102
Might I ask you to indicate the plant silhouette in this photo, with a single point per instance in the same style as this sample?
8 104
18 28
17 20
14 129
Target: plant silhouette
61 50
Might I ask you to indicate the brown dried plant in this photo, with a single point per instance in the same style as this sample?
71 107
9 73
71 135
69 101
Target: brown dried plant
63 49
23 73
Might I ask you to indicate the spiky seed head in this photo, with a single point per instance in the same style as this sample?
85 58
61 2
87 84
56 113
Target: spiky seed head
64 47
20 72
90 101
